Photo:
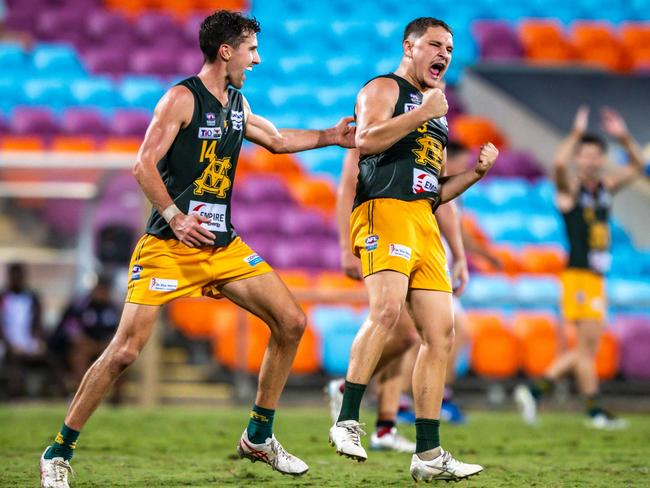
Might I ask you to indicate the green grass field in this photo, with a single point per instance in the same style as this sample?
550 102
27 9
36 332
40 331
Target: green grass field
174 446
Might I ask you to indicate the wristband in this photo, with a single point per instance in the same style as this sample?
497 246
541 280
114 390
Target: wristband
170 212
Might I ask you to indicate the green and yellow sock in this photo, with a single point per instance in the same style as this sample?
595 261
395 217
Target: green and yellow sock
260 425
64 444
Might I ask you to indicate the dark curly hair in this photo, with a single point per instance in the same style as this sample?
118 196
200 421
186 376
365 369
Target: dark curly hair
224 27
420 25
594 139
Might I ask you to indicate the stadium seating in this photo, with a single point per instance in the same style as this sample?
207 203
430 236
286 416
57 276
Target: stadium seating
539 342
495 349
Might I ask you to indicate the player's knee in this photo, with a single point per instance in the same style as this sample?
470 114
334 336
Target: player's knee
123 355
295 325
388 314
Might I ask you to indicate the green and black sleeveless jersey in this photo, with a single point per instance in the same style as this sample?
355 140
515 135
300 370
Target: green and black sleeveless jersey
199 168
409 169
588 230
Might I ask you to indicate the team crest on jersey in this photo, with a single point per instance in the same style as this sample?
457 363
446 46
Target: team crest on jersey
415 98
210 119
237 119
210 133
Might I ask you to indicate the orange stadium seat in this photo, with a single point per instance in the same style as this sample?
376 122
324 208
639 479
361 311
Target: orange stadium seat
597 45
538 339
635 36
337 281
199 318
21 143
474 131
73 144
226 346
121 144
542 259
317 193
608 355
544 42
510 260
284 164
295 278
495 348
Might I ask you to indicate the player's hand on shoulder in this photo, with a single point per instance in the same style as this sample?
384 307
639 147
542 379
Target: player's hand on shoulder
486 158
188 230
434 104
345 132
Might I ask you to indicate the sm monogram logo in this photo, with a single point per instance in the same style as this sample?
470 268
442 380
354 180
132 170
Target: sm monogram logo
214 178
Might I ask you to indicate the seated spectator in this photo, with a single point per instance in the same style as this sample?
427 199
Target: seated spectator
21 333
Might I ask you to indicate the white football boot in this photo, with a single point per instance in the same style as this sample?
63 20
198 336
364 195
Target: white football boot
606 421
526 404
444 467
391 441
346 438
335 396
54 472
272 453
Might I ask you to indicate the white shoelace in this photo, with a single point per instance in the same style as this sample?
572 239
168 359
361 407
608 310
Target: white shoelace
354 432
279 452
61 469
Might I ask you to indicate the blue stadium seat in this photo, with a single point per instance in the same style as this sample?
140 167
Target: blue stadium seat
327 161
545 228
13 59
507 192
337 327
57 59
486 291
141 92
543 194
51 92
96 91
620 238
11 93
628 293
537 292
505 226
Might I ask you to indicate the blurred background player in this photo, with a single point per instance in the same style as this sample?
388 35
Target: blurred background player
190 247
584 199
395 360
401 134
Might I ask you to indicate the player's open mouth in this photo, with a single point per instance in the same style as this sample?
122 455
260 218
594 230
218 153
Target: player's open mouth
436 69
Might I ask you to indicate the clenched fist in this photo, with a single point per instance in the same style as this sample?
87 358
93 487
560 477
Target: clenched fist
434 104
486 158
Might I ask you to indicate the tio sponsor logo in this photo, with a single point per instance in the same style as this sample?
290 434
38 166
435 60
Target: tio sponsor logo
213 133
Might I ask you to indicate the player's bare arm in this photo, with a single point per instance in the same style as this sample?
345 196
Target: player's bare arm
452 186
262 131
377 129
173 112
344 202
565 183
614 125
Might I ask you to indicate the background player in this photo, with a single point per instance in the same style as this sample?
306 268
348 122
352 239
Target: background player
190 248
401 134
584 199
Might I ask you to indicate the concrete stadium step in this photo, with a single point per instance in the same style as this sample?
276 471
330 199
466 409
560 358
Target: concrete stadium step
181 393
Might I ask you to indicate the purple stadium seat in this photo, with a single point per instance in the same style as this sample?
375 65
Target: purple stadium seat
28 120
301 223
129 123
516 163
331 255
123 182
191 30
190 61
263 189
153 61
4 125
103 26
497 41
250 220
83 121
110 60
158 28
635 344
64 215
262 244
455 105
52 23
125 209
298 253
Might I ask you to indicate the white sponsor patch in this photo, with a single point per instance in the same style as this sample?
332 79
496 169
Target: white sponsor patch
253 259
237 119
423 181
216 212
209 132
161 284
400 251
410 106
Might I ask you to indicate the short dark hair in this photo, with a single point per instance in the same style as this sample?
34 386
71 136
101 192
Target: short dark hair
224 27
594 139
420 25
454 148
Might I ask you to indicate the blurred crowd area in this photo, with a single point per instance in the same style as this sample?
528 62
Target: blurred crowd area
78 82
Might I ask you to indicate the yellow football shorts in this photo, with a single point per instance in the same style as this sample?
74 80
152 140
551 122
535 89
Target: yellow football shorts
397 235
583 295
165 269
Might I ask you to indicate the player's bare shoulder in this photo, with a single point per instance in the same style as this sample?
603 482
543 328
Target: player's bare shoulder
177 104
379 88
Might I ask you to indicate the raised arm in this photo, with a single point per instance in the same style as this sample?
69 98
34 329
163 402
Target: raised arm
564 183
452 186
173 112
261 131
344 202
616 127
377 129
